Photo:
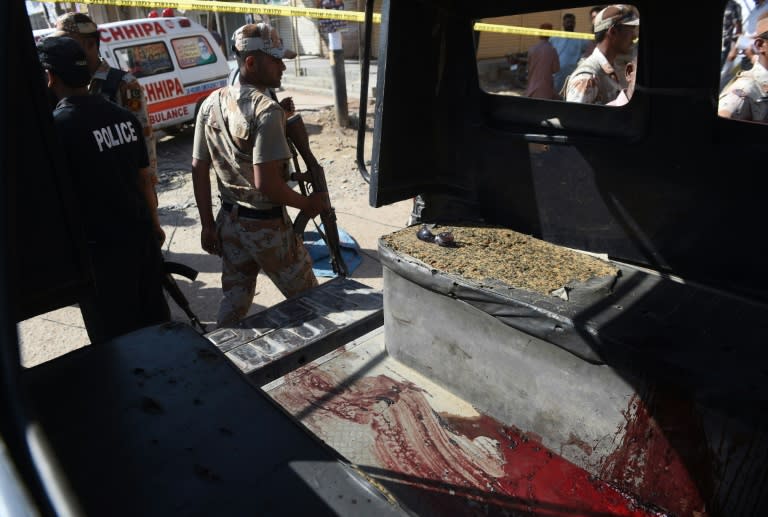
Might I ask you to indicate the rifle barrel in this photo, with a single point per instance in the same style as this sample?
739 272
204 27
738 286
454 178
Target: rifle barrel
328 218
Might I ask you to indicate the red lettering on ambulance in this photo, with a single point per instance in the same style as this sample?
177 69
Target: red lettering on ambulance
160 90
174 87
171 114
130 32
149 89
136 30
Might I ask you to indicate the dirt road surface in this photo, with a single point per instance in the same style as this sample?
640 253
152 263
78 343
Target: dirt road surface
50 335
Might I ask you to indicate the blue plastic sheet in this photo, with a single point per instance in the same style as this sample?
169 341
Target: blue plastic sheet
321 257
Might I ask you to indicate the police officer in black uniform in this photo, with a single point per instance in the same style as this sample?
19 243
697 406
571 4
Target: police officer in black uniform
106 156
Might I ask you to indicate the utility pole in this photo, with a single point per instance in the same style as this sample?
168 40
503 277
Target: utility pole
222 32
335 46
339 78
295 35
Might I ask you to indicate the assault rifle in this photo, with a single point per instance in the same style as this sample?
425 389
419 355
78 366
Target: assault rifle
170 285
314 181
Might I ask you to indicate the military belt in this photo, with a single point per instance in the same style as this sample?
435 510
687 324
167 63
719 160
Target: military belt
276 212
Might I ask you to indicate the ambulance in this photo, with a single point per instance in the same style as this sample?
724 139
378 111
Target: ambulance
176 60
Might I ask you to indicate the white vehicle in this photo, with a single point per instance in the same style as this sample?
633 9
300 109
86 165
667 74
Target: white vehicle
176 60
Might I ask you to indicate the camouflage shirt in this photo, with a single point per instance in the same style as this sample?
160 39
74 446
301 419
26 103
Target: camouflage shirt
249 129
131 97
594 81
746 98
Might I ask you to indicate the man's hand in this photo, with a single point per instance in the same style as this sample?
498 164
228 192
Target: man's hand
288 106
209 239
317 202
301 176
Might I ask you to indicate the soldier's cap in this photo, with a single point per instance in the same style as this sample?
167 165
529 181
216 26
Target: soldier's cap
618 14
761 28
65 58
75 23
268 41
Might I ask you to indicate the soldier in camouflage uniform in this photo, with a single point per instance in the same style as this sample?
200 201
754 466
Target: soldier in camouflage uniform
746 98
595 80
125 90
240 133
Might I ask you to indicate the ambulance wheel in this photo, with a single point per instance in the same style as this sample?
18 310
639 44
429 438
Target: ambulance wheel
173 130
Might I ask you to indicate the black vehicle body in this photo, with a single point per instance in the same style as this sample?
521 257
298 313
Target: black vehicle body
662 186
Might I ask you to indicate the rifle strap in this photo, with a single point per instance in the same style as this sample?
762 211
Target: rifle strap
222 122
110 85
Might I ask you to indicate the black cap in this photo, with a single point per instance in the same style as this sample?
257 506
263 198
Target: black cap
66 58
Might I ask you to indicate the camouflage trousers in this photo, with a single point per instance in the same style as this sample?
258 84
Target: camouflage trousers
250 246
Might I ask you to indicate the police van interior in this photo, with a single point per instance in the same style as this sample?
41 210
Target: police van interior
641 395
662 186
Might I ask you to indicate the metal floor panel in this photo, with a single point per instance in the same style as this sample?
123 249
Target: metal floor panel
432 450
279 339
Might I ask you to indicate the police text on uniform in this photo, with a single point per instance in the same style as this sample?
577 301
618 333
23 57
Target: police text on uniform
124 131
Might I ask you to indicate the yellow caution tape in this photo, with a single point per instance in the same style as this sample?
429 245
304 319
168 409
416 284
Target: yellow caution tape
530 31
309 12
237 7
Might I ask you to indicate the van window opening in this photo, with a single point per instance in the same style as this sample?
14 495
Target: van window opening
144 60
744 63
193 51
550 55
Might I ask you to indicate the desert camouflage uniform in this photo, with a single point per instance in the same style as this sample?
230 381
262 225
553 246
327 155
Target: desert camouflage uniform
256 124
594 81
131 97
746 98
